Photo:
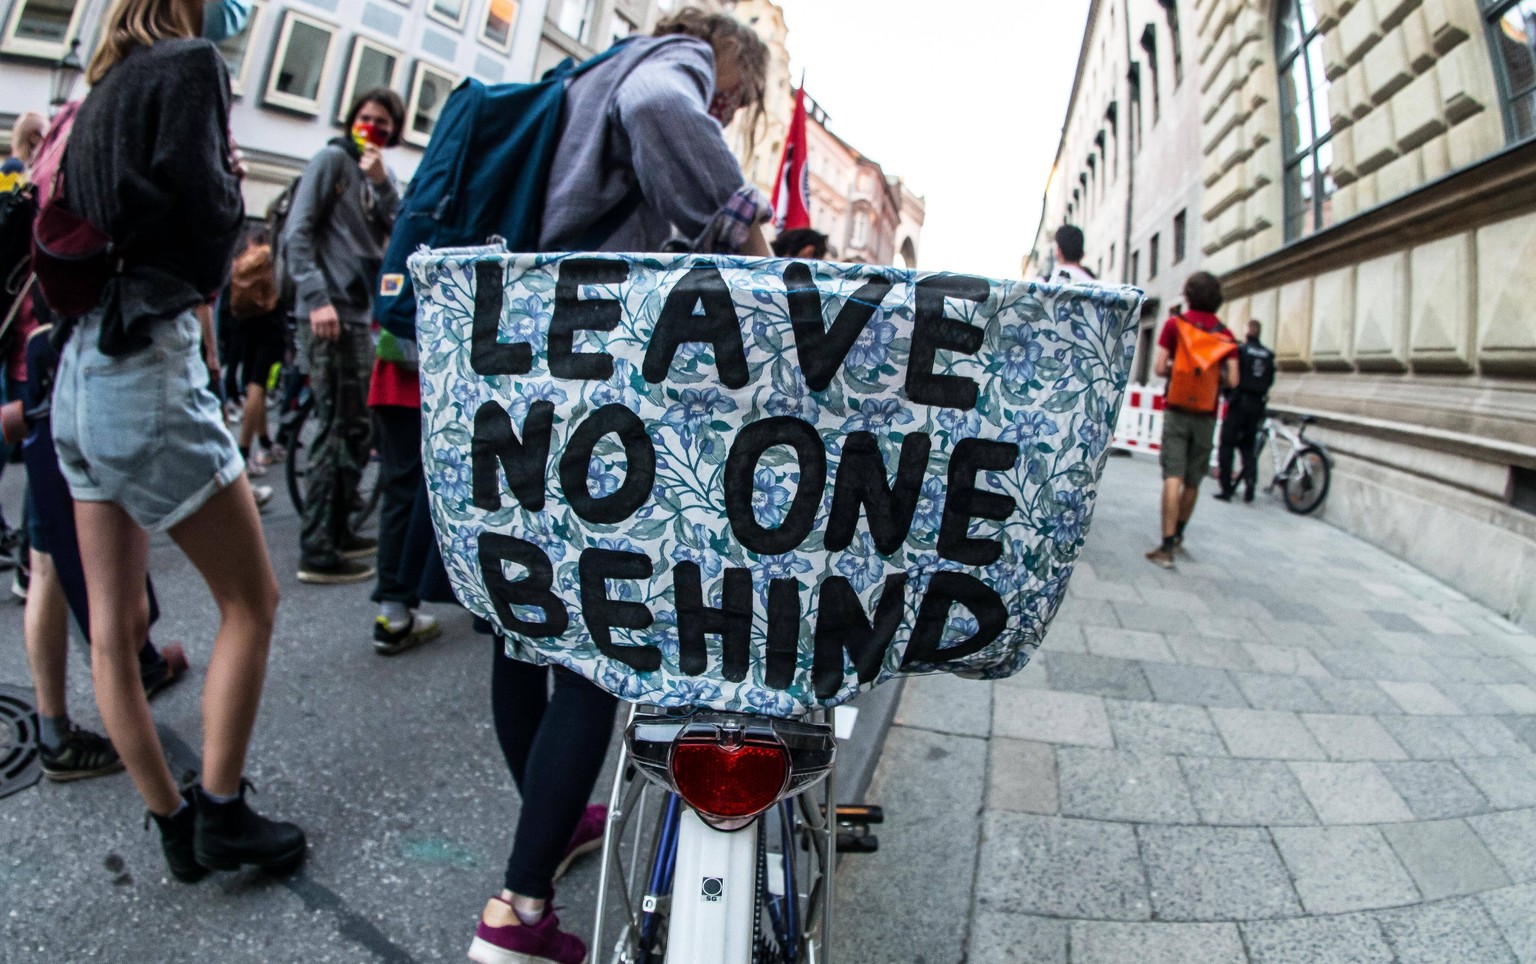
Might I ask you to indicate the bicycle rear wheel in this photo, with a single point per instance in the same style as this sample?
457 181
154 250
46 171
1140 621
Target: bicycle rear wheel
1307 484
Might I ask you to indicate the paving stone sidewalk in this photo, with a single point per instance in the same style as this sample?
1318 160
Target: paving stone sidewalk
1293 748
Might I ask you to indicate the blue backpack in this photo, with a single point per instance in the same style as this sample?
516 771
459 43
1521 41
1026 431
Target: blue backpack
483 174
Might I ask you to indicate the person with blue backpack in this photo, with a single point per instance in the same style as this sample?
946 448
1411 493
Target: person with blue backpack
622 153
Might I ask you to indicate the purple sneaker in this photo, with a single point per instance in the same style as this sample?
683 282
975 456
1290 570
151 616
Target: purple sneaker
587 837
541 943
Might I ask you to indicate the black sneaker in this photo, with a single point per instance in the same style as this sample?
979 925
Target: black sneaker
358 547
339 573
82 755
1223 496
1248 494
230 835
389 640
177 837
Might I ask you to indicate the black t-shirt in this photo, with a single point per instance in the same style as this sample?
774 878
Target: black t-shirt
1255 369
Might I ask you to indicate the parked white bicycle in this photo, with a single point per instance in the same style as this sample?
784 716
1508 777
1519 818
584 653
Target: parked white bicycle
1302 466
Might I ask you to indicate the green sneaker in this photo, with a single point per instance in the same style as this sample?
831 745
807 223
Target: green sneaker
391 638
83 755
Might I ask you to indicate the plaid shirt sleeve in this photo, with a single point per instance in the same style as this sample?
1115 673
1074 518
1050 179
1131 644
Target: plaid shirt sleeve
727 231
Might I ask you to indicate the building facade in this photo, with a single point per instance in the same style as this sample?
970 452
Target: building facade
1367 190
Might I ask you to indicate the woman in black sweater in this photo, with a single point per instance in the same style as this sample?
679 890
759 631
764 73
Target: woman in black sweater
140 437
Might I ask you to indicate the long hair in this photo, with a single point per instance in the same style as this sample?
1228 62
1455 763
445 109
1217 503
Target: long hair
727 35
139 23
391 104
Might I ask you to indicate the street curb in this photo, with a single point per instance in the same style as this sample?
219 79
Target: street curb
860 754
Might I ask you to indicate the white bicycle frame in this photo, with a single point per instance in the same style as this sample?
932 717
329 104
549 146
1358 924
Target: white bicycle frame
714 885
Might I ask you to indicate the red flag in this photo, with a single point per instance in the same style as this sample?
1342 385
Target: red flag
792 191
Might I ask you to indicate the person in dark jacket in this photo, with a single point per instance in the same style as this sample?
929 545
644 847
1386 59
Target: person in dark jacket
336 233
1245 413
141 439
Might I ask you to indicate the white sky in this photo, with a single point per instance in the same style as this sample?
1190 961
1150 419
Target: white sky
962 98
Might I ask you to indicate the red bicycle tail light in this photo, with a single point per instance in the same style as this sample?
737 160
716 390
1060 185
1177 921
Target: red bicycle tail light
730 780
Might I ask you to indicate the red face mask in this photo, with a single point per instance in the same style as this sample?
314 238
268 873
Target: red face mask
725 105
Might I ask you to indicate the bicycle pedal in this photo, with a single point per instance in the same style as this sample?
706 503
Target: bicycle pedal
866 814
857 843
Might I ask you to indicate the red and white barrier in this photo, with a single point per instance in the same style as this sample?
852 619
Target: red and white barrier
1140 427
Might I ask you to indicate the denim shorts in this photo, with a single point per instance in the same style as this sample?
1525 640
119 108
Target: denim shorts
143 430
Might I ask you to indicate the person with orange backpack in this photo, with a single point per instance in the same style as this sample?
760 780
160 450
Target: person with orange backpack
1198 356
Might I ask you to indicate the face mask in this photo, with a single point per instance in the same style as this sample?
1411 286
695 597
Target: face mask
223 19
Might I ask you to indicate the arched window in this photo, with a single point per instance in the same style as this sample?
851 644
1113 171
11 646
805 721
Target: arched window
1307 141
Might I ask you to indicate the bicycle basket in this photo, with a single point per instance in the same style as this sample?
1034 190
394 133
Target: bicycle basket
762 485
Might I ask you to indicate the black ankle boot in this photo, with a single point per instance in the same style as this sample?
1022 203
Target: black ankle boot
176 839
232 834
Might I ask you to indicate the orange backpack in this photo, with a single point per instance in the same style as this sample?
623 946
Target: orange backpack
253 283
1195 384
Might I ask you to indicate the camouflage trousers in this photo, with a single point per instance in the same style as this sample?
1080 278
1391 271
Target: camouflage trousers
341 445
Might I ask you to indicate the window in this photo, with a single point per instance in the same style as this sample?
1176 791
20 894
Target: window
300 63
450 12
575 18
430 88
1513 26
369 65
622 27
1135 267
43 28
237 49
1180 236
860 230
1149 46
1171 12
1152 251
1304 120
1133 81
500 15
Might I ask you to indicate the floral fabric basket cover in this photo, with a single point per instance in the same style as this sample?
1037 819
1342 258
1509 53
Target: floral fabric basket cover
757 484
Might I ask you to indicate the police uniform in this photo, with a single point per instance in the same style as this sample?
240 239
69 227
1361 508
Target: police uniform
1245 413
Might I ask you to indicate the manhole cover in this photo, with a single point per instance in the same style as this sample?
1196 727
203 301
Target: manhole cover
19 765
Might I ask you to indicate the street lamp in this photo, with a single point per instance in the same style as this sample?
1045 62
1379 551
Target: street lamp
65 72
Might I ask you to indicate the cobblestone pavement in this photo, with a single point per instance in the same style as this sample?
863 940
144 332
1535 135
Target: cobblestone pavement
1294 748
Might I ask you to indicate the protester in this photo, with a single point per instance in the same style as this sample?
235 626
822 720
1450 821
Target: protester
1245 413
336 233
664 99
58 588
26 135
140 437
250 304
1069 257
1188 433
801 243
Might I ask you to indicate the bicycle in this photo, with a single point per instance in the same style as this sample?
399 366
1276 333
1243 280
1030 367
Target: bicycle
735 820
296 433
1303 475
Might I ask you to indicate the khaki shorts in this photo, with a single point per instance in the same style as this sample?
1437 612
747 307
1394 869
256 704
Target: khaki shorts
1187 446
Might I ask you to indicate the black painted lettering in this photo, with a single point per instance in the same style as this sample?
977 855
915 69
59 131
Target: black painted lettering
602 614
944 590
495 444
639 467
750 444
495 551
487 354
573 314
842 626
783 633
932 330
717 325
821 350
964 501
732 621
861 481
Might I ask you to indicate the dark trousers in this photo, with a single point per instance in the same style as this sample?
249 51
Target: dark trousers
410 565
52 521
554 745
1239 431
338 380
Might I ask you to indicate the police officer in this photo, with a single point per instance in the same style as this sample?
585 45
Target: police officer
1245 413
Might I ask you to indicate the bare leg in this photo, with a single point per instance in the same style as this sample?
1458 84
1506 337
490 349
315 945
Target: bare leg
253 423
1172 500
223 540
1187 502
115 555
47 632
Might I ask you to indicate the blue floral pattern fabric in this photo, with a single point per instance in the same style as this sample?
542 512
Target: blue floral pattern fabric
1049 367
